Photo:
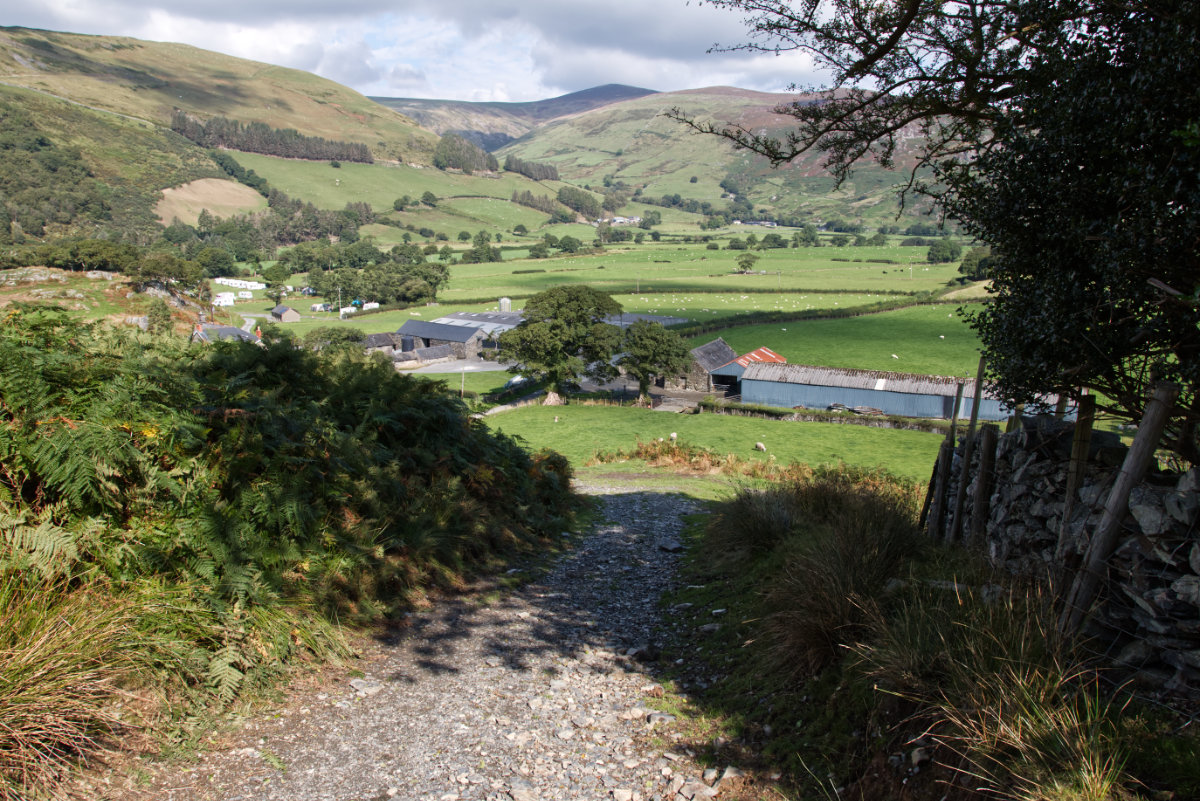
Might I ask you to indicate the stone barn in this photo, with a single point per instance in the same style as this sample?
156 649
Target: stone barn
705 359
464 340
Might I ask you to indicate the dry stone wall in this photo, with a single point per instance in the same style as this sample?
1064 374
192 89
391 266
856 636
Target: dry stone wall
1148 617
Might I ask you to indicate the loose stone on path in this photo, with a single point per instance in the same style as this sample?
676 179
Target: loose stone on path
539 696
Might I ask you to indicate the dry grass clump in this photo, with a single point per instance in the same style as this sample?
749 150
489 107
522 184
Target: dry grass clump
60 661
834 536
1000 688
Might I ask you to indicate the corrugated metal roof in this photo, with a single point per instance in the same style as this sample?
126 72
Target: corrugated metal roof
878 380
488 322
425 330
712 355
761 356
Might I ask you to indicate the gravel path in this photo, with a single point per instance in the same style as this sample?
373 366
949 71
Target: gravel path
537 696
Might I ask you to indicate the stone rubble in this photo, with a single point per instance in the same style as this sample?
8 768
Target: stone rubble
539 696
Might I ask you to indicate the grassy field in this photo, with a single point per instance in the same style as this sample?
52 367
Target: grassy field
930 340
583 430
673 268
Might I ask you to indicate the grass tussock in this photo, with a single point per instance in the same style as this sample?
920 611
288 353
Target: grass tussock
866 638
61 662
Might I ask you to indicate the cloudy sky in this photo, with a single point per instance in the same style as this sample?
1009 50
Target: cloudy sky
451 49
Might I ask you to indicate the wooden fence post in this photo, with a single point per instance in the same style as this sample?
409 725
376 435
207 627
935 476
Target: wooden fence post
960 497
983 485
1080 446
1086 584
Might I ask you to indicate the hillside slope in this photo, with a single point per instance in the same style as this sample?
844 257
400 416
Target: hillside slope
148 80
631 141
493 124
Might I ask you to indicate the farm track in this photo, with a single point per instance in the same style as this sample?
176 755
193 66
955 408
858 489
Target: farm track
538 695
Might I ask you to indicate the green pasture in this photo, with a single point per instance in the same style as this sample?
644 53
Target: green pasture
380 184
673 268
703 307
581 431
929 340
480 381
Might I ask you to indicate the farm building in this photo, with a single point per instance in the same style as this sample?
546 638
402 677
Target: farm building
800 385
380 343
705 359
463 340
215 332
285 314
731 374
493 324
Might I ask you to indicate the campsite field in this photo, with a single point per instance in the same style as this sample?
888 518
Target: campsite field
581 430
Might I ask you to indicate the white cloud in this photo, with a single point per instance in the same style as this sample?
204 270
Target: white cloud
454 49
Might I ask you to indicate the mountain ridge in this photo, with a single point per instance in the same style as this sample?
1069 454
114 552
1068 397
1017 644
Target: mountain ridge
492 124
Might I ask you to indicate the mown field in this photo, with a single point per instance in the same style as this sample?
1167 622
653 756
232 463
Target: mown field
928 339
579 431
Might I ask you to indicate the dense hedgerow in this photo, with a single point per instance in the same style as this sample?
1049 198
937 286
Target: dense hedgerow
226 501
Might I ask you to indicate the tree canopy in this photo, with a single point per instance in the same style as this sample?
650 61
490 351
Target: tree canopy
652 351
1063 134
564 337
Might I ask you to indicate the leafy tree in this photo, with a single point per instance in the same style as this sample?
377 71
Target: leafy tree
1092 212
429 199
464 236
943 251
746 261
569 244
976 263
736 243
564 337
581 201
652 351
520 229
806 237
455 152
216 262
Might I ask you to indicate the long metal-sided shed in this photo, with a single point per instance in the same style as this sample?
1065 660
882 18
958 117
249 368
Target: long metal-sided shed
903 394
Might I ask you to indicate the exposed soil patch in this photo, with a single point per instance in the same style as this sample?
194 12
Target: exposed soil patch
221 197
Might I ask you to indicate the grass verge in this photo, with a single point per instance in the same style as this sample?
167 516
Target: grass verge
841 651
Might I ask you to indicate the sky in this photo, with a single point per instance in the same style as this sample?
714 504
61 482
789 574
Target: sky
499 50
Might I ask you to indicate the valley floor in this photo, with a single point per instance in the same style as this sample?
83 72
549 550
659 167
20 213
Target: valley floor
541 693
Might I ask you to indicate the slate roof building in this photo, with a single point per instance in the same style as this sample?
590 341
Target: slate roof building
215 332
464 340
285 314
380 343
805 386
705 359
